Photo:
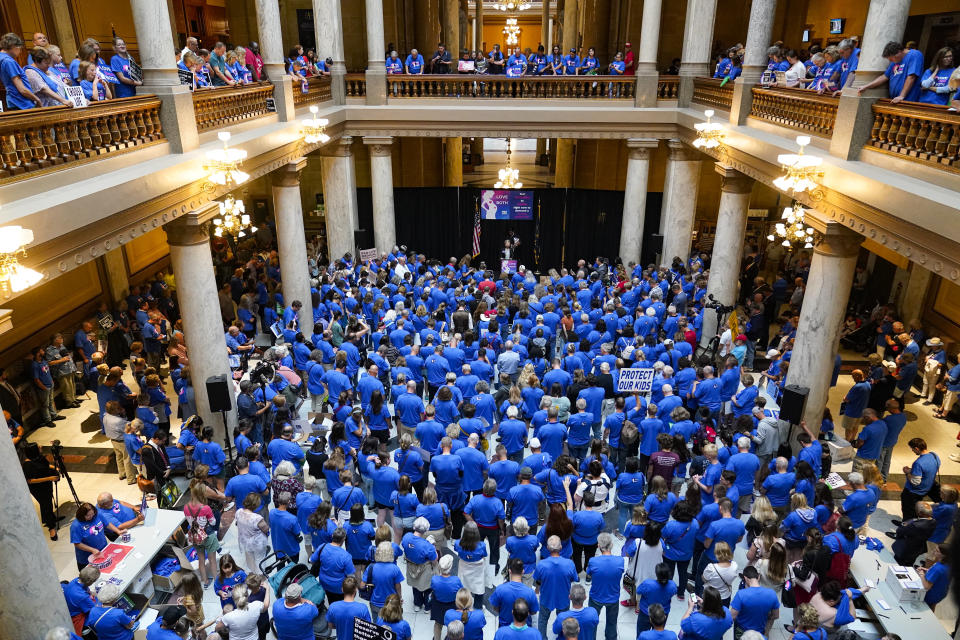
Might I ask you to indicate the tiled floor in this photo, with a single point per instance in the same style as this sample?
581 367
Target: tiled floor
78 438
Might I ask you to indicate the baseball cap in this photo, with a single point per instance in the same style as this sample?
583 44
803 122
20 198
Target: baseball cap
772 353
526 473
172 614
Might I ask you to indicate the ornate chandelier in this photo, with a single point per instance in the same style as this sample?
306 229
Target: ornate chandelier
233 219
509 177
512 5
313 128
14 276
512 31
802 171
224 164
793 230
709 134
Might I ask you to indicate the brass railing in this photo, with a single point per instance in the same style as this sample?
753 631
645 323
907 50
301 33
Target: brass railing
35 141
708 92
318 90
668 87
795 108
498 86
356 85
215 108
921 132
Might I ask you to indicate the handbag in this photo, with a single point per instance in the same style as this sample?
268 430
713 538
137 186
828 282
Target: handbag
630 580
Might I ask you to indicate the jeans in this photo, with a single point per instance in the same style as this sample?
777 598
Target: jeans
697 555
421 598
582 554
698 572
886 454
597 431
516 456
613 610
749 355
543 619
578 451
908 503
682 567
48 410
492 536
618 457
626 511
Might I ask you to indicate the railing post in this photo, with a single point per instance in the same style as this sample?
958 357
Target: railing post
755 58
152 23
886 21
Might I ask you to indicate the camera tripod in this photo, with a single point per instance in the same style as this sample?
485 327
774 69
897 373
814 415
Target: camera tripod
61 467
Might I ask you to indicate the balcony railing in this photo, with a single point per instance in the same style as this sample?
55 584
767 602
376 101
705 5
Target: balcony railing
36 141
924 133
215 108
497 86
318 90
356 85
708 92
795 108
668 87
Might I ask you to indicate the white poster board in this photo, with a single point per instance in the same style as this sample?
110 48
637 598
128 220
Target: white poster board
75 96
368 254
635 381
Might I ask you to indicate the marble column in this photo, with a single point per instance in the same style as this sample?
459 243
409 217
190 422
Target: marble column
427 26
563 176
151 19
30 602
727 244
451 30
541 151
339 197
635 198
328 27
189 240
291 239
376 74
116 268
570 26
755 58
271 48
545 25
697 41
63 24
478 27
453 162
381 182
886 21
647 74
824 305
914 295
680 187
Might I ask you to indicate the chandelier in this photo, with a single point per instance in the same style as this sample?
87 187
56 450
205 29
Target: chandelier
511 5
313 128
14 276
793 230
709 134
509 177
233 219
224 164
802 171
512 31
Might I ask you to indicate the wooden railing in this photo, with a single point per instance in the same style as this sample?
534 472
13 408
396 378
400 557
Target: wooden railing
215 108
318 90
497 86
38 140
668 87
356 85
920 132
795 108
708 92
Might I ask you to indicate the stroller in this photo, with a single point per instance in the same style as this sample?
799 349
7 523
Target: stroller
281 572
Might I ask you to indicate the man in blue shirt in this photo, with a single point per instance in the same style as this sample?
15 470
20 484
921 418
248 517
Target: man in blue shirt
870 440
518 629
293 615
414 63
43 380
754 608
122 515
902 74
605 572
571 65
778 487
513 435
283 448
475 465
525 498
745 465
409 409
895 420
285 531
726 529
553 576
245 483
333 566
857 505
920 477
587 617
502 599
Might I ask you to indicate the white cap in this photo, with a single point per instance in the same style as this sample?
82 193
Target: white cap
772 353
534 443
651 311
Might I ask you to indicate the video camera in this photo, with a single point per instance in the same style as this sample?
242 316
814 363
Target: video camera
716 306
263 373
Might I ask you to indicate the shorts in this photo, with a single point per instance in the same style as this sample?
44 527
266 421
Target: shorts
380 505
210 543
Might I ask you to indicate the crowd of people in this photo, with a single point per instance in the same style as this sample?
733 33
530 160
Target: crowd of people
480 451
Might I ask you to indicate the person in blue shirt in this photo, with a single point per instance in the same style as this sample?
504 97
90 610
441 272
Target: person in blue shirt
518 629
726 529
384 575
870 440
516 64
655 592
87 533
487 511
586 618
778 486
706 617
293 615
283 448
285 534
934 87
109 621
496 62
855 402
605 573
122 515
936 576
920 477
19 95
658 622
754 608
723 67
332 564
857 505
944 513
120 64
553 576
902 75
952 382
630 491
95 88
77 593
506 594
524 499
571 63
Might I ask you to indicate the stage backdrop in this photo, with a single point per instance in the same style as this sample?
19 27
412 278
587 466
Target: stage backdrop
567 224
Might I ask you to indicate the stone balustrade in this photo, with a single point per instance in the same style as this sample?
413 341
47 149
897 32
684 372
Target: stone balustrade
710 93
223 106
921 132
798 109
498 86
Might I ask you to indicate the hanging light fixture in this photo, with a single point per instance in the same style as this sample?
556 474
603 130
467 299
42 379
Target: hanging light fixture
512 5
802 171
509 177
512 31
709 134
313 128
14 276
224 164
233 219
793 230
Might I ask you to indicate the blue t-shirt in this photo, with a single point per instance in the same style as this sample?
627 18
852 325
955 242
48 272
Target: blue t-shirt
652 634
78 598
116 514
88 533
239 486
745 465
630 487
524 548
856 505
897 73
778 486
284 531
895 423
930 95
122 65
341 614
605 573
925 467
337 564
445 588
587 525
384 577
728 530
587 617
939 577
753 605
473 628
873 436
110 623
9 69
506 594
555 575
699 626
511 632
487 512
659 510
652 592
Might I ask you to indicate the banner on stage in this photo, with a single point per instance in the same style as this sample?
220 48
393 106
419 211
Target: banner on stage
635 381
368 254
506 204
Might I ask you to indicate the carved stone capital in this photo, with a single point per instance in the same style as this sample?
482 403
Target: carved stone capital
339 148
733 180
681 151
289 174
380 147
639 148
837 241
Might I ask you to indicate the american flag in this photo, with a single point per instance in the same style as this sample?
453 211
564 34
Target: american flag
476 230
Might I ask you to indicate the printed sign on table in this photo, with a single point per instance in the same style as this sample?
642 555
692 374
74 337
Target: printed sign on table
635 381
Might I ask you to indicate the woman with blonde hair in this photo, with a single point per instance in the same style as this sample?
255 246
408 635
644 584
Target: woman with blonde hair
472 619
762 515
437 514
773 569
873 481
391 615
721 574
241 622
